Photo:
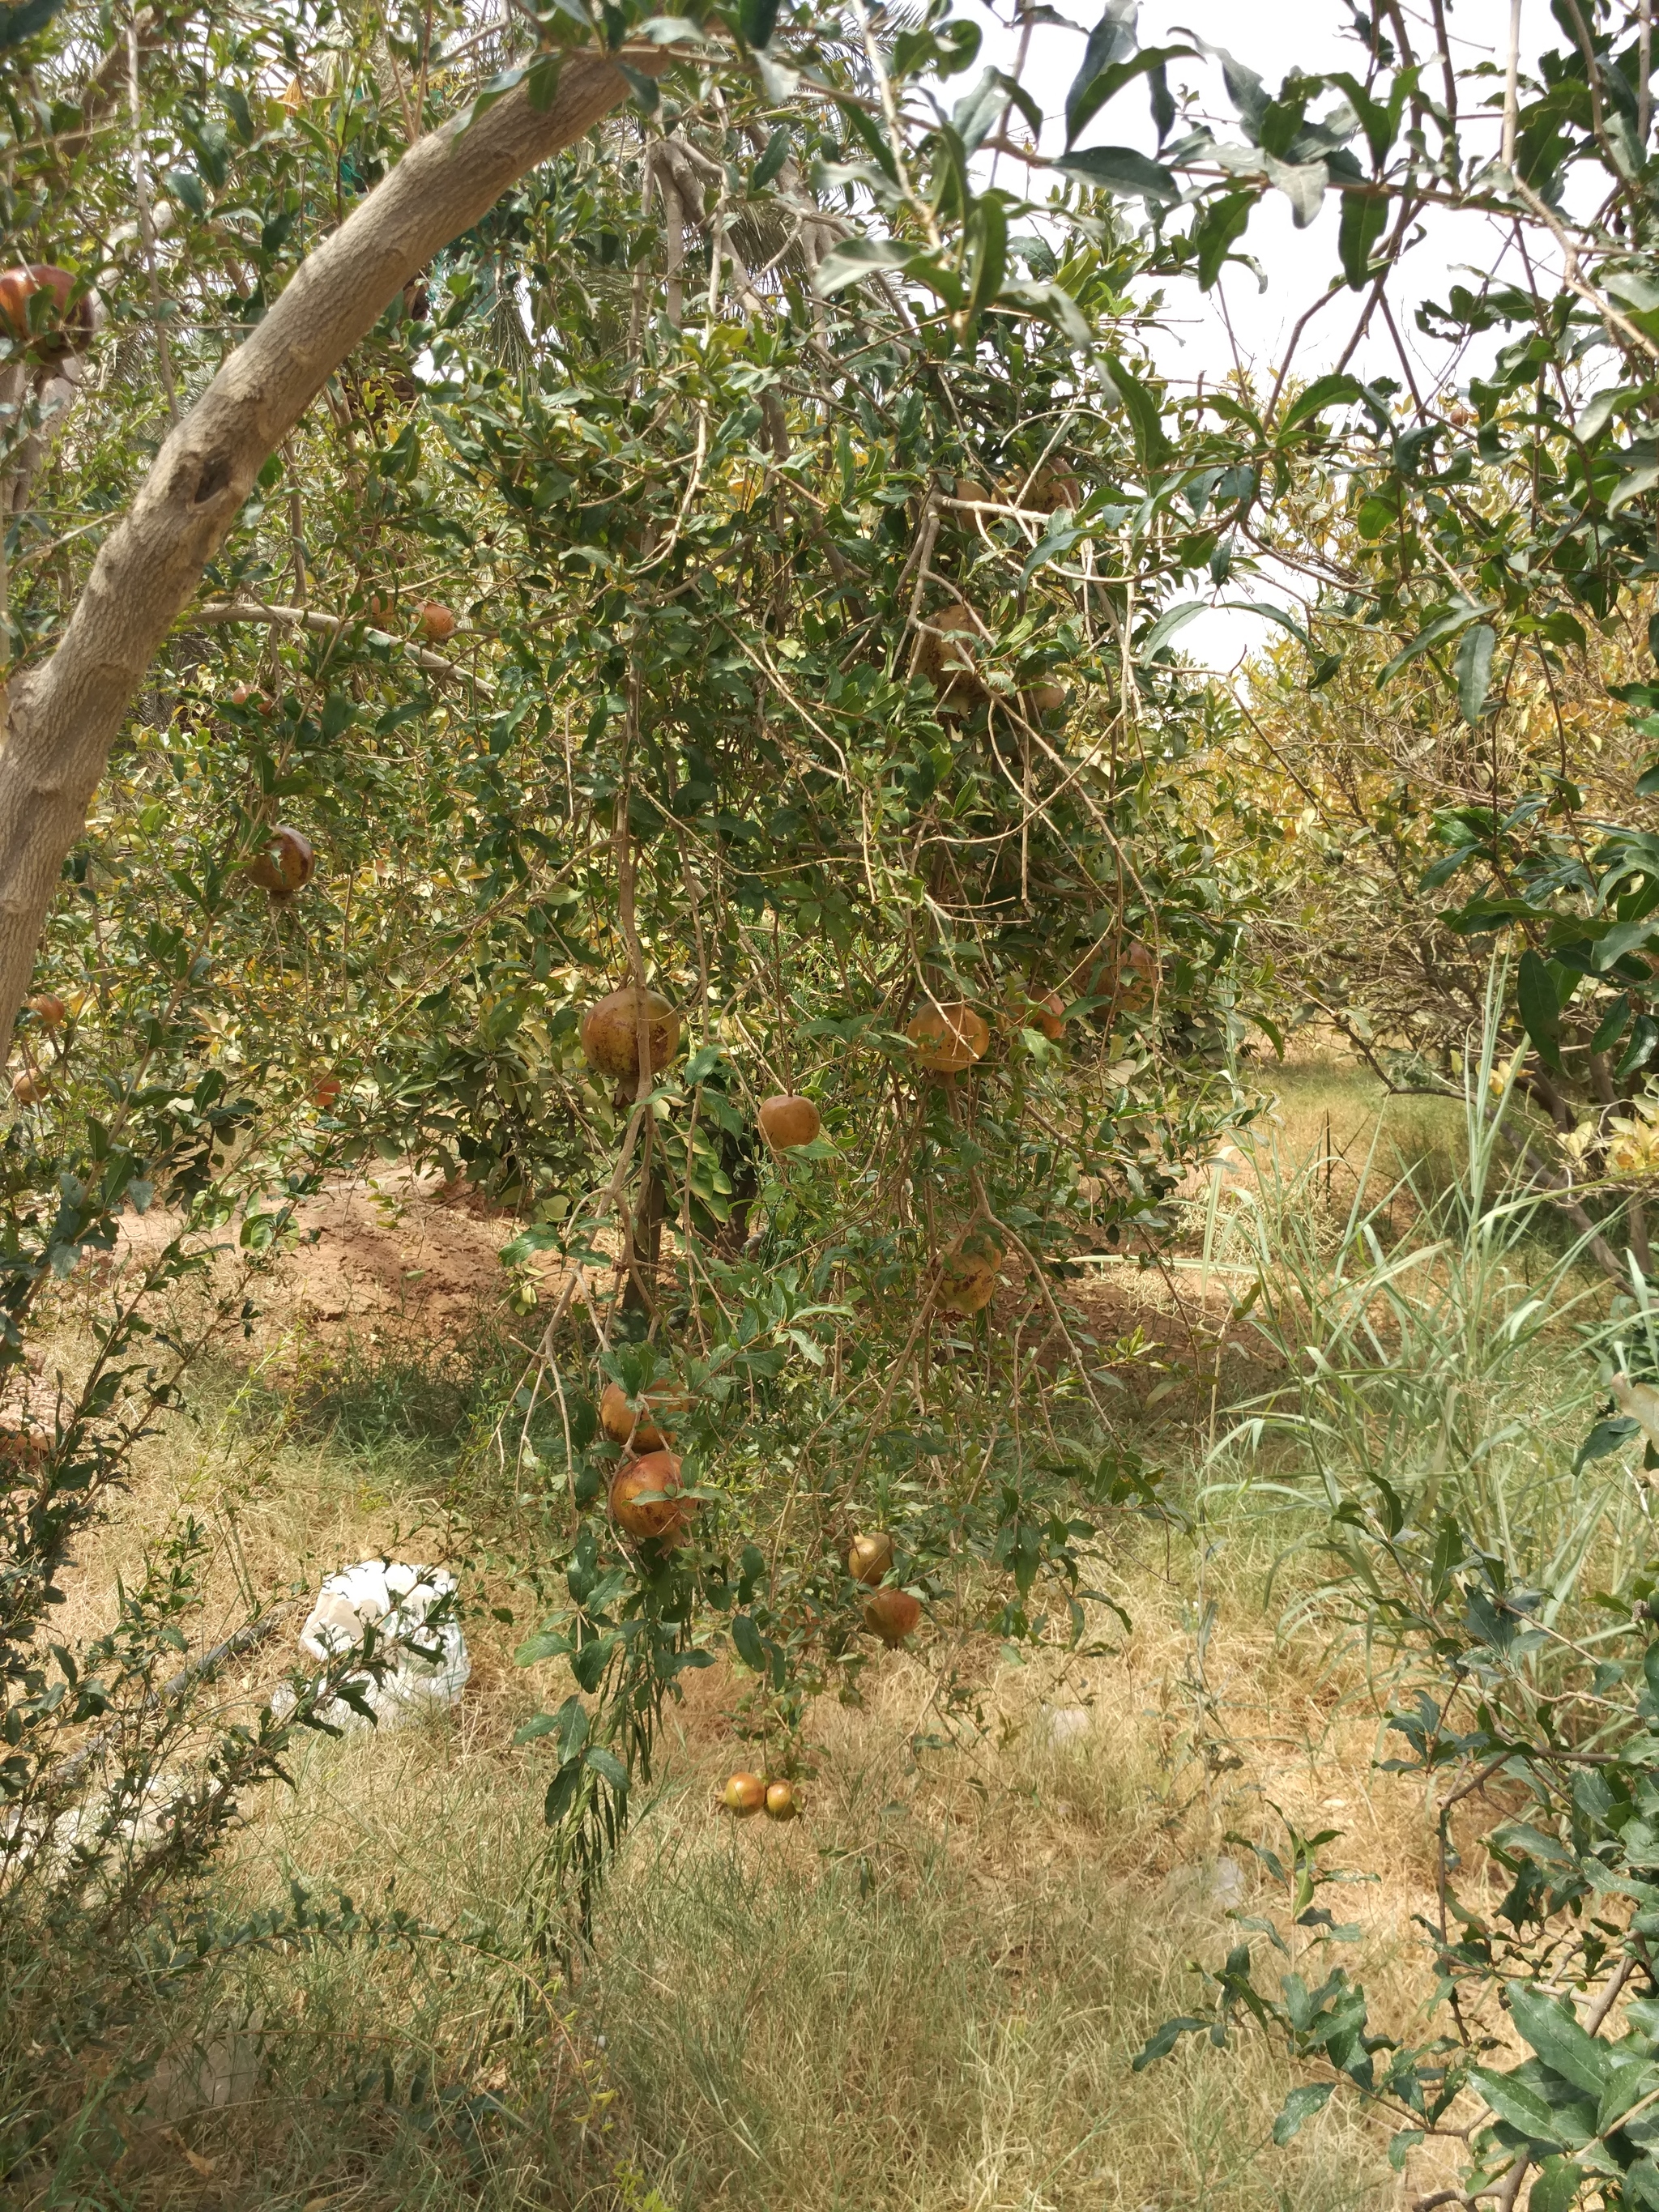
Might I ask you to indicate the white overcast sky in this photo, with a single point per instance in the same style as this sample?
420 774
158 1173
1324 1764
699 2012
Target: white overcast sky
1239 319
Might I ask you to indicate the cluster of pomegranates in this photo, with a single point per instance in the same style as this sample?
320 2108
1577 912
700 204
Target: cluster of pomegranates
611 1031
890 1614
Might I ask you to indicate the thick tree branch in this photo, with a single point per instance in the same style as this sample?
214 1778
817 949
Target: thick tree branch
64 717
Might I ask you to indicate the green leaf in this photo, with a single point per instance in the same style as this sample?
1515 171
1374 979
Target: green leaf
1523 2108
561 1793
756 20
1300 2105
859 257
1364 218
1559 2180
608 1766
1473 667
1160 2044
777 154
1565 2047
1173 619
24 19
1084 102
747 1638
1632 485
1111 42
987 240
1335 390
1447 625
1541 1006
1056 304
1221 222
1604 1439
1119 169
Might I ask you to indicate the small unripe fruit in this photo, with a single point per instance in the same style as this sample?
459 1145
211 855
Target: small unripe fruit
611 1033
286 864
743 1794
645 1499
49 1010
871 1557
781 1802
947 1038
892 1614
437 621
787 1120
647 1431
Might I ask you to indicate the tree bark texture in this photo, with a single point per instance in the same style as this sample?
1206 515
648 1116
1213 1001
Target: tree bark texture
64 716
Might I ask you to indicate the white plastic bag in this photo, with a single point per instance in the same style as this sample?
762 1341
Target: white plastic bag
425 1668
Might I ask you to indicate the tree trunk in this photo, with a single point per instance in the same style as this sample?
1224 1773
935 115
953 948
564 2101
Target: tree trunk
64 717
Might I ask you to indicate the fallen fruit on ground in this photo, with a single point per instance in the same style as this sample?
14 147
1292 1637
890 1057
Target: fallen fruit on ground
968 1273
610 1033
948 1037
743 1794
892 1615
437 621
49 1010
781 1802
285 863
647 1431
788 1120
644 1498
871 1557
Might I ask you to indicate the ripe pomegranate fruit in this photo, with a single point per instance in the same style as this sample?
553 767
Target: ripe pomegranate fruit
49 1010
647 1431
325 1091
610 1038
1047 1014
1137 976
871 1557
644 1498
946 657
787 1120
968 1273
892 1614
743 1794
286 864
66 333
1046 698
947 1038
436 621
1056 486
30 1090
781 1802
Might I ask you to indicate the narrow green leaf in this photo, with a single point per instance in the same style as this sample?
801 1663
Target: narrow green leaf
1364 218
1474 667
1299 2106
1119 169
1540 1008
859 257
